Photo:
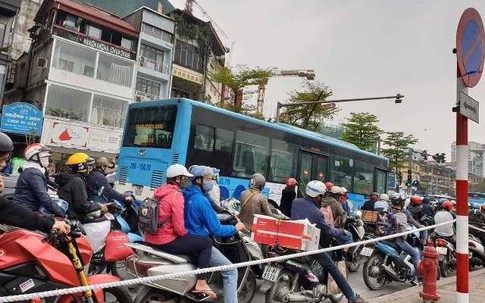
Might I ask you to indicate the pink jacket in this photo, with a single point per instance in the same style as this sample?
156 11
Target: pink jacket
171 206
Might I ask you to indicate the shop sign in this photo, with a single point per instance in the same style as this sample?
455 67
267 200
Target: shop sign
21 118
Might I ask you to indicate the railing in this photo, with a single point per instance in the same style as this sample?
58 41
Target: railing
142 96
153 64
93 42
156 32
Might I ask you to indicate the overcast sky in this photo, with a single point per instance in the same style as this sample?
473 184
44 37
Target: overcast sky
359 49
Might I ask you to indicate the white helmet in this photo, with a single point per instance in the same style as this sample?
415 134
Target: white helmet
315 188
36 149
176 170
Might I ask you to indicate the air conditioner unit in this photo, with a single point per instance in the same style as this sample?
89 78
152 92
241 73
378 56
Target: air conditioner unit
41 62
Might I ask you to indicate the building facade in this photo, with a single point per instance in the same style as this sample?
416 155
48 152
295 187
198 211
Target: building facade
476 151
9 10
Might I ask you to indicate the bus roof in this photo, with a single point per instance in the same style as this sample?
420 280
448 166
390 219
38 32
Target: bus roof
280 126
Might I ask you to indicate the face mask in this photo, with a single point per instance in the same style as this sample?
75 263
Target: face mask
44 162
184 183
207 185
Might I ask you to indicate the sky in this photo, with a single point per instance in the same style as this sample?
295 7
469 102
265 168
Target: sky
359 49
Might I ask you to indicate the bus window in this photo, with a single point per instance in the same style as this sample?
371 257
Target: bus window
251 154
342 171
381 180
282 160
204 137
150 127
224 139
363 178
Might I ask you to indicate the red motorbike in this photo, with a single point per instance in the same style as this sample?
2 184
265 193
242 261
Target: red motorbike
33 262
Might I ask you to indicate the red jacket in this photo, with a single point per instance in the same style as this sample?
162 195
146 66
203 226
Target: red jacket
171 206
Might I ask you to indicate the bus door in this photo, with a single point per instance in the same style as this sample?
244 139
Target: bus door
312 167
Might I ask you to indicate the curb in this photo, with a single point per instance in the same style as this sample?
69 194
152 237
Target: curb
446 288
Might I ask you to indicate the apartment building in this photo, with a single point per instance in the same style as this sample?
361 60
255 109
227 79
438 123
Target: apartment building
476 151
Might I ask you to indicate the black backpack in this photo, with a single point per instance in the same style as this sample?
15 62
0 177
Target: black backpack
148 216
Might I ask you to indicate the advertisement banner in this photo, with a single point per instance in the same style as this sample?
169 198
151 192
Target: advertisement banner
21 118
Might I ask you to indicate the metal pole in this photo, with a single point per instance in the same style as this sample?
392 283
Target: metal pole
410 172
462 295
278 108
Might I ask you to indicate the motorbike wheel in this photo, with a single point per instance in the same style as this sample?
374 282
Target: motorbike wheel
118 269
153 295
119 294
444 268
281 287
353 266
374 277
336 298
248 290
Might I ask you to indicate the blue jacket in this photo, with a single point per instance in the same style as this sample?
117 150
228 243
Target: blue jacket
200 218
306 208
31 190
97 180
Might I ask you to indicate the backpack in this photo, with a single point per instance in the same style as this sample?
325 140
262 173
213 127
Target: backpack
328 215
148 216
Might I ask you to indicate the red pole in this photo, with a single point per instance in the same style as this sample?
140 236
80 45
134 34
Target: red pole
461 202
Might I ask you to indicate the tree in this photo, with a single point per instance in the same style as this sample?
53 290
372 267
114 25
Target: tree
361 130
309 116
397 146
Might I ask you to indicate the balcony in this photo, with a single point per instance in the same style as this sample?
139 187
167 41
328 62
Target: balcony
156 33
142 96
93 42
153 64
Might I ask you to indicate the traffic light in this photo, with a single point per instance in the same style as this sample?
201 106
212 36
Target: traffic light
424 154
410 179
399 177
439 157
442 157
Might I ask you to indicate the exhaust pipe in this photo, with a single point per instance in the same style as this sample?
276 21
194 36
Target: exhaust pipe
297 297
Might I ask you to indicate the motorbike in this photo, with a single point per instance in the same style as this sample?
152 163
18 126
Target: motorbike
387 263
294 280
477 252
33 262
150 262
355 226
447 256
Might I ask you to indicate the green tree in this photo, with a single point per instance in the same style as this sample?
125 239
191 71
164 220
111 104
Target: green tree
309 116
361 130
397 146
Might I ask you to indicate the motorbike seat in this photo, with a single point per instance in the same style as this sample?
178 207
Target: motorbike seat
392 244
175 258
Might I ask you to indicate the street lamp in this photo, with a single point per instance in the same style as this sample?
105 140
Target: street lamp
397 99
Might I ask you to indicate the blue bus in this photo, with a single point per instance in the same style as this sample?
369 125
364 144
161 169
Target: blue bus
160 133
475 200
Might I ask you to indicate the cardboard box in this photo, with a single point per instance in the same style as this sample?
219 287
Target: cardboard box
294 234
370 216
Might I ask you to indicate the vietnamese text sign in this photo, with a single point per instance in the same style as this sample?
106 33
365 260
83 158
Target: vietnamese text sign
21 118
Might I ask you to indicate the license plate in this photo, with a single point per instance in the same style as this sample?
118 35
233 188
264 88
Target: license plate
442 250
366 251
271 273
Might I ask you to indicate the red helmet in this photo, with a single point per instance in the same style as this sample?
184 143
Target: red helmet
416 200
447 205
482 207
291 182
328 185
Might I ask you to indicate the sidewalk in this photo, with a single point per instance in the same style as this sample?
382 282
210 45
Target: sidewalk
446 288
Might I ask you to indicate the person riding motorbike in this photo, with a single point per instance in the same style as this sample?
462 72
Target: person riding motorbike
344 200
382 204
201 220
98 187
12 213
31 190
309 208
369 204
172 236
333 201
254 202
415 208
444 231
288 194
214 194
72 188
428 210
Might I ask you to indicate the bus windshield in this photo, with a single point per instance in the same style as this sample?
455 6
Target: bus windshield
150 127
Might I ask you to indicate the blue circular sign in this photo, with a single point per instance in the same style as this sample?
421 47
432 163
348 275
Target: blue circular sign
470 48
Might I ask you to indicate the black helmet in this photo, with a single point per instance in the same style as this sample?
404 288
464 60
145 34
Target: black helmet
397 200
6 144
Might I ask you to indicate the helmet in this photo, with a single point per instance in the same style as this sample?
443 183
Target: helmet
6 144
384 197
36 149
102 161
397 200
78 162
291 182
258 181
376 194
201 171
176 170
416 200
343 190
447 205
336 190
482 207
315 188
328 185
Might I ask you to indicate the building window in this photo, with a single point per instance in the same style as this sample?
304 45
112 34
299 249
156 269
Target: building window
156 32
68 103
75 59
108 111
93 31
148 87
187 55
115 71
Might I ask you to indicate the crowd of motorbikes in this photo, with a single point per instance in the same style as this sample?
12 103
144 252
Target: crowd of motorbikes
32 262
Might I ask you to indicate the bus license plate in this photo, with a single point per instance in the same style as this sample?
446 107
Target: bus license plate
366 251
442 250
271 273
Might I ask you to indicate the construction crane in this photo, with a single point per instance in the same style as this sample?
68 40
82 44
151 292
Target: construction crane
304 73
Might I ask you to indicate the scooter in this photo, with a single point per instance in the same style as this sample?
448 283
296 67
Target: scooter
355 226
150 262
33 262
447 256
477 252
